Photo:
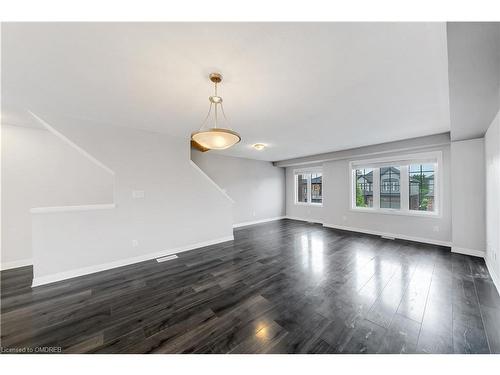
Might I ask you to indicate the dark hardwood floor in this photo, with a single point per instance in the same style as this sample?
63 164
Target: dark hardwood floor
280 287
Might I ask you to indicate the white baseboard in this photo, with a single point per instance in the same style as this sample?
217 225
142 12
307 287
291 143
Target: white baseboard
494 276
465 251
37 281
244 224
309 220
393 235
16 264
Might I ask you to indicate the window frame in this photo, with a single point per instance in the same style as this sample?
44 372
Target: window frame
309 171
403 162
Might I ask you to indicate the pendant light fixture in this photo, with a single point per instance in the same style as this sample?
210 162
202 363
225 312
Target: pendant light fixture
215 138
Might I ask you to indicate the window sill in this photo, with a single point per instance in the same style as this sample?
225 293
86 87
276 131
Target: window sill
432 215
309 204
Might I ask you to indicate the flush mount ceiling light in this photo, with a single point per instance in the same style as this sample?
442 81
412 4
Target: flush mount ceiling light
259 146
215 138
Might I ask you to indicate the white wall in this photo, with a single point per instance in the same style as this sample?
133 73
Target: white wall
492 155
337 207
336 210
257 187
39 170
469 197
180 210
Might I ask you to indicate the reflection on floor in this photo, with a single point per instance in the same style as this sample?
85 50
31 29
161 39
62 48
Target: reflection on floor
280 287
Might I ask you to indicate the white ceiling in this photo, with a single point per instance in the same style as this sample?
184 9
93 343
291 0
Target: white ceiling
301 88
474 74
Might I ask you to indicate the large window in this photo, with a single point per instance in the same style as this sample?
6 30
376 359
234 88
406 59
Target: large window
309 187
406 186
421 189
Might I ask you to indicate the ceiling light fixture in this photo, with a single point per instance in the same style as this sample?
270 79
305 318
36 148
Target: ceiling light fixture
215 138
259 146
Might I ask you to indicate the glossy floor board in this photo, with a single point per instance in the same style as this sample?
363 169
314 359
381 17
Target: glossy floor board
279 287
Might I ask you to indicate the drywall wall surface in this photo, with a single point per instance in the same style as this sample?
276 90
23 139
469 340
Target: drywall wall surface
257 187
492 156
39 170
468 194
338 212
336 209
164 204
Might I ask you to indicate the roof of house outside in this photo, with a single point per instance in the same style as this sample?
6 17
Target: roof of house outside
369 176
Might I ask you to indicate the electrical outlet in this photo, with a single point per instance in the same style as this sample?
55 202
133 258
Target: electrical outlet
435 228
135 243
344 218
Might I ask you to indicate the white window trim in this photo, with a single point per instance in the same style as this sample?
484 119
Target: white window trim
435 157
309 190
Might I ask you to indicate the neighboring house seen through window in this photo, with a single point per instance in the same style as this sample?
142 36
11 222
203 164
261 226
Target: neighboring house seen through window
421 180
309 187
364 187
389 187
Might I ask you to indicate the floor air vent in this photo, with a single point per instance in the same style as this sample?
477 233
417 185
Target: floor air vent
164 259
